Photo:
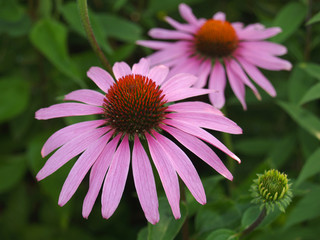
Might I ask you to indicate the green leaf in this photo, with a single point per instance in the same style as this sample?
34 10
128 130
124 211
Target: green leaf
310 168
304 118
12 170
312 69
168 227
10 10
143 234
222 234
306 209
14 97
289 19
312 94
249 216
299 83
50 38
314 19
254 146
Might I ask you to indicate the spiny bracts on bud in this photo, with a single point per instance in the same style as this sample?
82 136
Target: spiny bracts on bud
271 189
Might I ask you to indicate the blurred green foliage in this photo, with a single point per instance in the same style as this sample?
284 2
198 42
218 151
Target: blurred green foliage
44 54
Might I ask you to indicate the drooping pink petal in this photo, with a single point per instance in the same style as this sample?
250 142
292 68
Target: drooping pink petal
194 107
200 133
141 68
154 44
219 16
200 149
167 175
257 32
186 14
203 73
158 74
183 166
67 110
186 93
217 82
243 77
70 150
86 96
68 133
263 46
101 78
264 60
144 182
121 69
257 76
236 84
160 33
180 26
116 178
81 167
237 25
207 120
97 175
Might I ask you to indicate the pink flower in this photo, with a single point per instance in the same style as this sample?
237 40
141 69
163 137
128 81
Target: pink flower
215 48
135 111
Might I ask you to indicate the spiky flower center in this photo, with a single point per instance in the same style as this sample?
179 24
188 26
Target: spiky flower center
134 104
273 185
216 38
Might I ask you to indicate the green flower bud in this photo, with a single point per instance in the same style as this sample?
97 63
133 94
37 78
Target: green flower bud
271 189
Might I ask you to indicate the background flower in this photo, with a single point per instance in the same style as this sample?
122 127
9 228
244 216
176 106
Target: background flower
214 48
135 109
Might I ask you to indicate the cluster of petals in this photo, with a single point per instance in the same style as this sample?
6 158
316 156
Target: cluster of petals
252 52
107 155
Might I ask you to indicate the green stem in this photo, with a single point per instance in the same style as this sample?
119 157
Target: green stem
83 10
185 226
227 140
255 224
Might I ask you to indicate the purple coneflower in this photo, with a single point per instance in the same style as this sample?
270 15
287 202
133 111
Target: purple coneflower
135 112
215 48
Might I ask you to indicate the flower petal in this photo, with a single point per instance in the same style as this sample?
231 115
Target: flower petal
68 133
219 16
237 85
180 94
217 81
144 182
80 168
86 96
167 174
169 34
243 77
184 167
97 174
200 149
180 26
67 110
194 107
264 60
121 69
257 76
157 45
257 32
116 179
200 133
70 150
101 78
158 74
263 46
180 80
141 68
203 73
207 120
186 14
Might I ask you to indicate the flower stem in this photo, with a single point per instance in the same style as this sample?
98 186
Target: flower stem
255 224
185 226
83 10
